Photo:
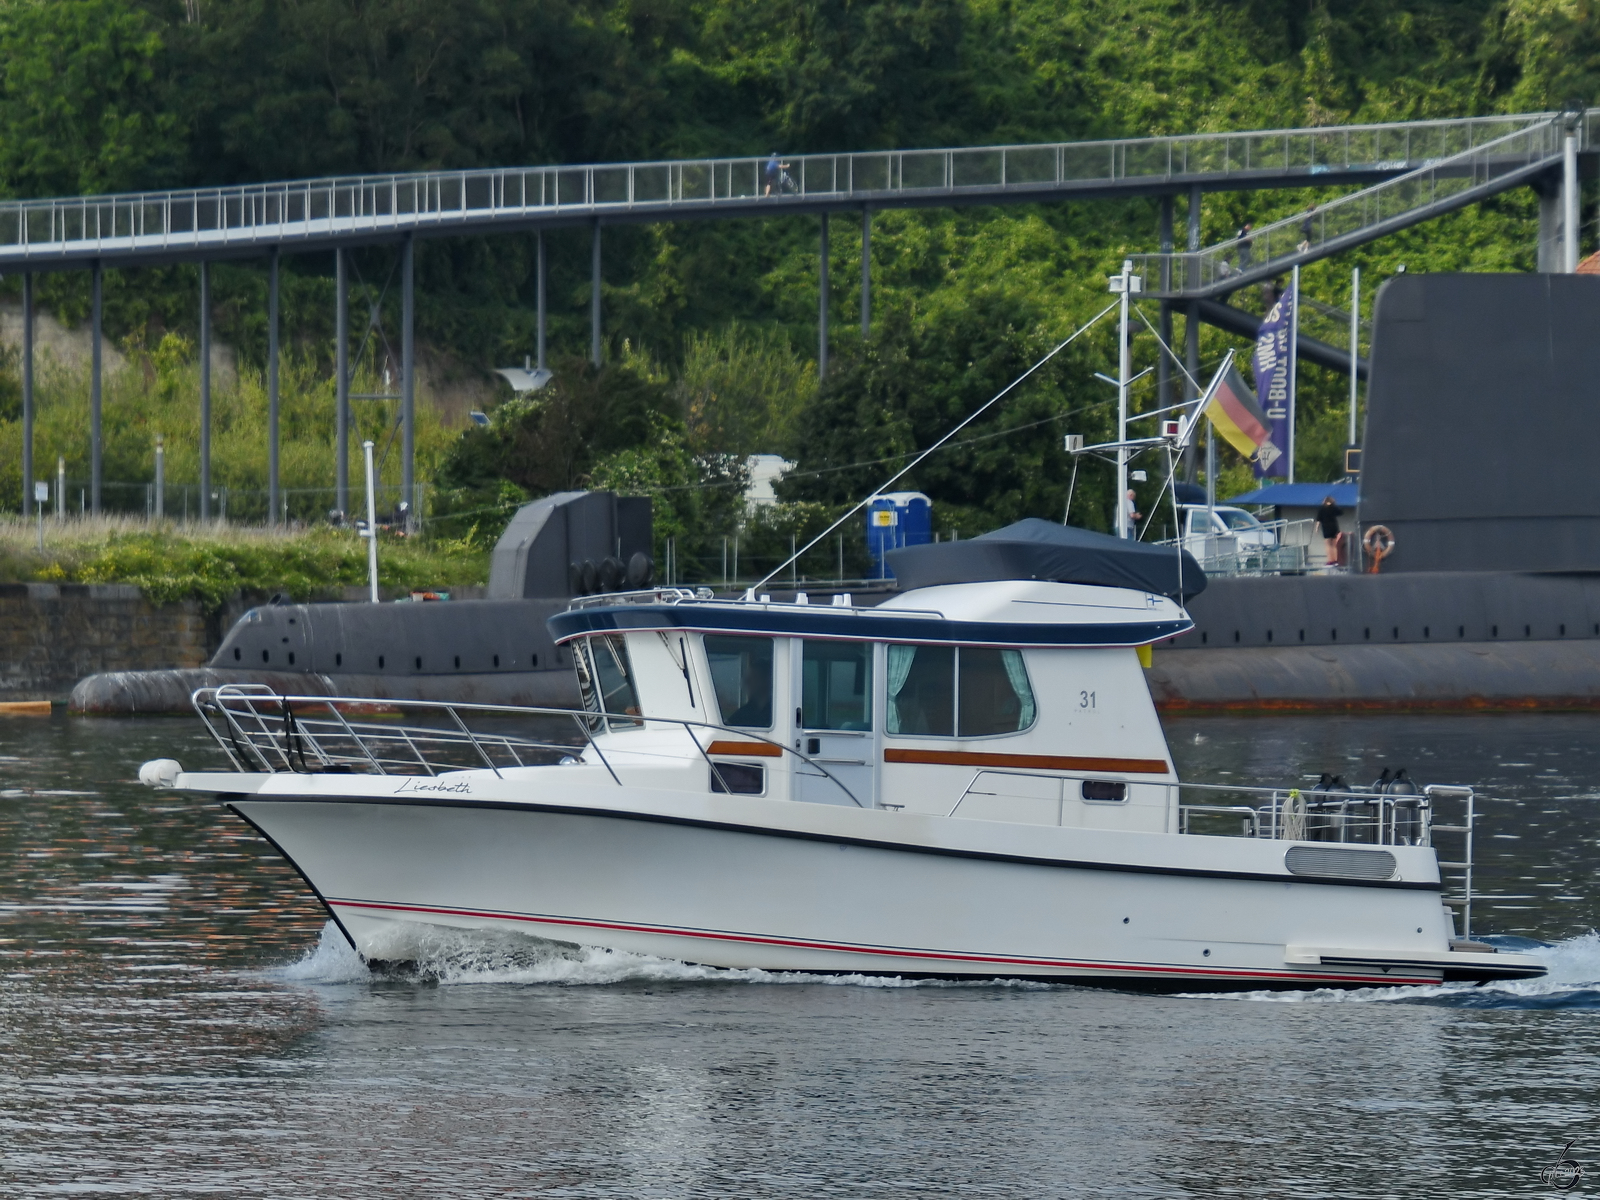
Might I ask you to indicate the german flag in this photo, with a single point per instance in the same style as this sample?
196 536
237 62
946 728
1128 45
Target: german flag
1234 412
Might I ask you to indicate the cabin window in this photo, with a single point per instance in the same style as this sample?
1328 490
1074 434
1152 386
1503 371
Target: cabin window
995 696
922 690
836 685
741 673
605 678
940 691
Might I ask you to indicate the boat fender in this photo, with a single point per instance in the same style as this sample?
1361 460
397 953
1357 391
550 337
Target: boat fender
1401 785
1379 543
160 773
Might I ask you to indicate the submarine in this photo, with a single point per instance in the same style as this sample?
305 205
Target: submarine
1479 458
1481 439
497 650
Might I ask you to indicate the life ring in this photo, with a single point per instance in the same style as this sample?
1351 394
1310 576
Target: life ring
1379 544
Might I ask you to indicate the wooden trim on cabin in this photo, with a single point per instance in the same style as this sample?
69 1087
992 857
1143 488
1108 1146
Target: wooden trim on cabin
1036 762
748 749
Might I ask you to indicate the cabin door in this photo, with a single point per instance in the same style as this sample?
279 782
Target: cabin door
834 723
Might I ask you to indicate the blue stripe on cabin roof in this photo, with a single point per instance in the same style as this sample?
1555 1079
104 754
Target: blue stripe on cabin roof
853 623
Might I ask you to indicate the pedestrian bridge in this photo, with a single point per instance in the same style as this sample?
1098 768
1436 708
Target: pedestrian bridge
1464 156
1399 174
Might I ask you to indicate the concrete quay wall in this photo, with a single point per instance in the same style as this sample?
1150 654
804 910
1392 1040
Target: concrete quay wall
53 634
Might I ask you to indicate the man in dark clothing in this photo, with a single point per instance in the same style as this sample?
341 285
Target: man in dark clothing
1328 521
1308 227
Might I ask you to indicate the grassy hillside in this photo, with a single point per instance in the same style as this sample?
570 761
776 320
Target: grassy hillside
210 564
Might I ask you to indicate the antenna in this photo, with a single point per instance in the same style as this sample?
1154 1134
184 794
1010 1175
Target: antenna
905 470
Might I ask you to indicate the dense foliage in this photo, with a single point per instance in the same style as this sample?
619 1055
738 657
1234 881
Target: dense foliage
711 326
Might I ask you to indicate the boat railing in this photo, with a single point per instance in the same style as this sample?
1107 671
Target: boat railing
261 730
1437 815
1242 552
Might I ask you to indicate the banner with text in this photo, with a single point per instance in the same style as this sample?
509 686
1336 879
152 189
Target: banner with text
1271 365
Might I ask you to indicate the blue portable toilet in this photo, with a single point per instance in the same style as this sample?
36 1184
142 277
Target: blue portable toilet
896 519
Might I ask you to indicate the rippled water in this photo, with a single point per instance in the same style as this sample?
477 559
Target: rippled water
175 1019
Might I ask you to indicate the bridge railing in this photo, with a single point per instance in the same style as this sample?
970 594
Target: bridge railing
1275 247
273 212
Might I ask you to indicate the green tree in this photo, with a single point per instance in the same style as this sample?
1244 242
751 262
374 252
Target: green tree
86 99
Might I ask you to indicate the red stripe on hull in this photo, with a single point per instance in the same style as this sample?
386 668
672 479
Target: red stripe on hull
893 952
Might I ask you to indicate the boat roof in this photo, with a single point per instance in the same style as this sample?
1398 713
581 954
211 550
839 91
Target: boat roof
1017 612
1042 550
1301 495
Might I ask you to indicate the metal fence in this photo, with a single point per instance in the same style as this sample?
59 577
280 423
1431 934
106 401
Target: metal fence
245 506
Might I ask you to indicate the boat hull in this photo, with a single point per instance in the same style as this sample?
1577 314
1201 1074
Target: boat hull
827 896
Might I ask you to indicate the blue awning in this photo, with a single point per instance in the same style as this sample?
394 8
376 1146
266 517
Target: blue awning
1301 495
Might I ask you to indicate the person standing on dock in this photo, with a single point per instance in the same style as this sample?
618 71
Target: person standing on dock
1134 515
1328 521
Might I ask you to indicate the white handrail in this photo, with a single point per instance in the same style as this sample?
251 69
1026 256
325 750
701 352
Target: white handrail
283 733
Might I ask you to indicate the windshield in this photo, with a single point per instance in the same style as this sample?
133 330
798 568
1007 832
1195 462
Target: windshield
1238 518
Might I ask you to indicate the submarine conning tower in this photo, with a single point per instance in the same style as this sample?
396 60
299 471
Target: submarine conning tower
1478 458
1482 435
485 643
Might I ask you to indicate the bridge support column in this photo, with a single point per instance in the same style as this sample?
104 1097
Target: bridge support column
539 288
27 393
1191 362
1558 208
205 391
272 391
822 303
408 380
866 273
96 433
1163 361
341 383
1191 332
594 298
1571 197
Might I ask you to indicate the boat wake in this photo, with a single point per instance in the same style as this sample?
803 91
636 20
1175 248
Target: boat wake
456 956
1573 982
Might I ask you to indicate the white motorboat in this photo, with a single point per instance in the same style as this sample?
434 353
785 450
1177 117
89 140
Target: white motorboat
968 780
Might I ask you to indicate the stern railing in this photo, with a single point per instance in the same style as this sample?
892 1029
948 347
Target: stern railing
263 731
1357 816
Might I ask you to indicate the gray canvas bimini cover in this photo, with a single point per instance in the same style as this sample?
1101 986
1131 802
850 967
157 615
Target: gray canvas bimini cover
1036 549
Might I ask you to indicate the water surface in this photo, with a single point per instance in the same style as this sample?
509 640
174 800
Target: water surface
175 1019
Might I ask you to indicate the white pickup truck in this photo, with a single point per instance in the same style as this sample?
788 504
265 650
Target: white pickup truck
1208 532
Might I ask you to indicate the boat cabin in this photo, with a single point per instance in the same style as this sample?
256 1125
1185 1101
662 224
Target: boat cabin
1014 699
